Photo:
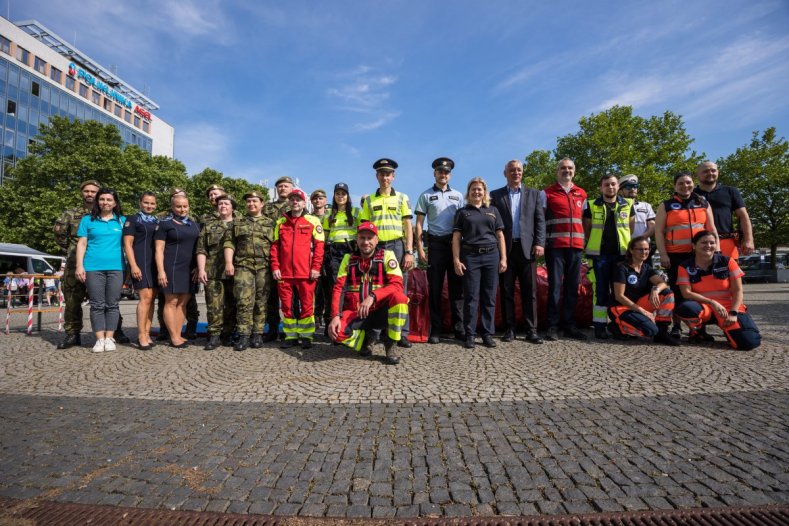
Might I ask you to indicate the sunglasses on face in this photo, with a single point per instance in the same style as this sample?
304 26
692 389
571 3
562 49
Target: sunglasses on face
629 186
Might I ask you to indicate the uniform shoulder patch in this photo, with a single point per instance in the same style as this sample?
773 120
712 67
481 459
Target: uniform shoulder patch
318 229
392 263
127 223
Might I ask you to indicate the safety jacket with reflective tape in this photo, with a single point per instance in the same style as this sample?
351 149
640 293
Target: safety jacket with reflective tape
713 283
563 211
387 213
337 230
684 219
599 212
357 279
297 246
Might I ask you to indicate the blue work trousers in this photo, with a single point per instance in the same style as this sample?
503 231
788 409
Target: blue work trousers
480 281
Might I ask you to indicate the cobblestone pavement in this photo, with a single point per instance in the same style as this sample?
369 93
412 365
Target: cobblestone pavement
520 429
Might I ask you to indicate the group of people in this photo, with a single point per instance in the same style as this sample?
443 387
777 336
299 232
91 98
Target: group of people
346 268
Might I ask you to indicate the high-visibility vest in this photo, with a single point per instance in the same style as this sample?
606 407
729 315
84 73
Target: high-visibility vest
563 211
387 213
599 215
684 219
338 230
713 283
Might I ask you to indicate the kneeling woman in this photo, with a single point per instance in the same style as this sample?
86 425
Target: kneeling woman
643 302
711 284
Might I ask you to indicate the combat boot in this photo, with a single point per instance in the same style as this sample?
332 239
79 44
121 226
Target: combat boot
306 343
191 330
213 342
367 346
391 352
257 341
226 339
71 340
242 344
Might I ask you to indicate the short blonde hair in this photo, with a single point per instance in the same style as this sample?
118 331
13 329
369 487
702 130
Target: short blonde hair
480 180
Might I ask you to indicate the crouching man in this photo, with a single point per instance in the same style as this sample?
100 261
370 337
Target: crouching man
367 295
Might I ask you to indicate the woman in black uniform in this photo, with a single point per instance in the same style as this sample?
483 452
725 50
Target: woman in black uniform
175 240
643 303
138 232
479 257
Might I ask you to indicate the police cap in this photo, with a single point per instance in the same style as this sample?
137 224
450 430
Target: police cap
213 187
283 179
444 164
88 183
385 165
628 179
253 193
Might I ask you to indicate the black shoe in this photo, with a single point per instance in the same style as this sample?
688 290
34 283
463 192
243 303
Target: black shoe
270 336
120 337
213 342
469 342
306 343
391 352
256 342
667 339
366 350
600 333
460 336
552 335
289 342
404 343
700 337
676 332
487 341
533 337
434 340
182 345
574 333
226 339
242 344
145 347
508 336
71 340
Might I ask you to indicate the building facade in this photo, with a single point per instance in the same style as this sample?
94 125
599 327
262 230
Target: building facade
41 75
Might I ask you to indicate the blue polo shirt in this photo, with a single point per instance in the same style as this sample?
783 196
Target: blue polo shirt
440 207
104 242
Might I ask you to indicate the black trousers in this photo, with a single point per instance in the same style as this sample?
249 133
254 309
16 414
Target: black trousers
564 274
440 265
525 271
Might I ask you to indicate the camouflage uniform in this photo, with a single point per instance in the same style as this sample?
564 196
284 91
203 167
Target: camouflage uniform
74 291
219 289
250 238
274 211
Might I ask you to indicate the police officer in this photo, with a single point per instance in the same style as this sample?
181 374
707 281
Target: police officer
211 272
390 211
247 244
74 291
438 204
644 215
274 210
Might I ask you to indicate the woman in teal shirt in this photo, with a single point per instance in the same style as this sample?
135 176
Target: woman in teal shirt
100 265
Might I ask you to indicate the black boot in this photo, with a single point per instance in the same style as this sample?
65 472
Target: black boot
226 339
242 344
270 336
257 341
191 330
600 333
391 352
214 341
663 336
71 340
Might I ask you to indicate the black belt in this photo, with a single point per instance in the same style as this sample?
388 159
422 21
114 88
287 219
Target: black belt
730 235
468 249
439 239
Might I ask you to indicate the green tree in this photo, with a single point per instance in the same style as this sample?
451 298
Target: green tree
760 171
66 153
236 188
653 148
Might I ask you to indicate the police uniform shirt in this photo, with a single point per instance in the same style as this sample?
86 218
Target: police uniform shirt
440 208
478 226
609 244
643 213
636 283
724 200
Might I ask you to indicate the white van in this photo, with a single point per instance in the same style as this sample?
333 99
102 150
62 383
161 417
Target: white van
14 256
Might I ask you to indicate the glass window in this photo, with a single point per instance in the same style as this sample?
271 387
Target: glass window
55 74
24 82
23 55
35 88
45 92
10 107
118 110
70 84
107 104
83 90
9 138
127 115
5 45
40 65
21 141
95 96
21 112
13 75
145 126
137 121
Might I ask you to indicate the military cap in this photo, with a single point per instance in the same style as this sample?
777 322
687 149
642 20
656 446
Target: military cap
628 179
387 165
444 163
213 187
301 195
341 186
89 182
176 190
367 225
283 179
226 197
253 193
320 192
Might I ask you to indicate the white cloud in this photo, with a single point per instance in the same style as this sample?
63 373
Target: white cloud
363 91
377 123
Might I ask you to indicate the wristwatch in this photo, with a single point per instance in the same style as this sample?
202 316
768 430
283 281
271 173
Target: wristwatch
409 252
733 312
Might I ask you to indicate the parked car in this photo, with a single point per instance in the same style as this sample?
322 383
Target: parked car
758 266
32 261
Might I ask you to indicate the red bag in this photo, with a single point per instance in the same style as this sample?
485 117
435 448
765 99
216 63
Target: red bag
418 306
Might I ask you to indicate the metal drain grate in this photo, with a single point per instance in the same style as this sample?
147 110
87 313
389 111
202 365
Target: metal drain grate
41 513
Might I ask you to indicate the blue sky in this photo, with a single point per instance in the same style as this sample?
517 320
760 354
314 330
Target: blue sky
319 90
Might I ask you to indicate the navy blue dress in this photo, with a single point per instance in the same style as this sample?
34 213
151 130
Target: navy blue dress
180 240
143 231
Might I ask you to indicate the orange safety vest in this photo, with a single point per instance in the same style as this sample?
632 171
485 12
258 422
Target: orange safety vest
563 211
684 219
715 283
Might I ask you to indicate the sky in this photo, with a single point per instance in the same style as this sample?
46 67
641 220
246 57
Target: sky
318 90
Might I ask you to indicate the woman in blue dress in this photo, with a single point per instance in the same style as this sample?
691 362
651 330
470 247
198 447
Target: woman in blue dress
138 232
175 240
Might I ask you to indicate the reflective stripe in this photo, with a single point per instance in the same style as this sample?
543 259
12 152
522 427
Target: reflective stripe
688 226
565 234
600 314
563 221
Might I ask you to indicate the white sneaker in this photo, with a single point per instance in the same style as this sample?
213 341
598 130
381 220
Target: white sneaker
99 345
109 344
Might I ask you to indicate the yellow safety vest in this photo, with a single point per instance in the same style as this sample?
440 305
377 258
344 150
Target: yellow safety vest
599 212
387 213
